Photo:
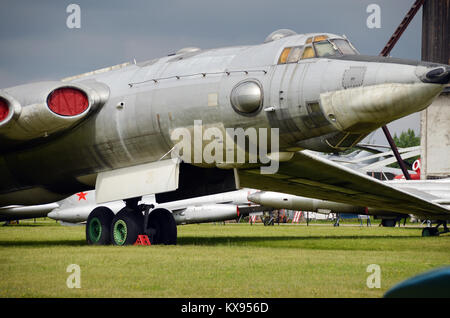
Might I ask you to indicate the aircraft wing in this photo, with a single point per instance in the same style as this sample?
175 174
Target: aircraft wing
20 212
309 175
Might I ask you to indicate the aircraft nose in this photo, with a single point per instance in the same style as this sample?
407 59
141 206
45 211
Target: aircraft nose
390 91
53 215
254 197
436 75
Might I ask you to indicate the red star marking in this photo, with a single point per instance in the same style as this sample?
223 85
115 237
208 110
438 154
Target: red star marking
82 196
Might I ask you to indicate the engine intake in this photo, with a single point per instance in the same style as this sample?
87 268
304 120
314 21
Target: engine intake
68 101
32 111
4 109
9 109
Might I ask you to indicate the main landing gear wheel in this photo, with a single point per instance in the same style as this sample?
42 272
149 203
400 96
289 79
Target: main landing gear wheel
161 227
430 231
388 222
126 226
103 227
434 231
98 226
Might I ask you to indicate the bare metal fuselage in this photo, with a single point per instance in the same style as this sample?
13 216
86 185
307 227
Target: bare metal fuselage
147 101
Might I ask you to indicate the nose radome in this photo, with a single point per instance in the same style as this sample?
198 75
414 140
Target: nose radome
53 215
254 197
366 108
389 89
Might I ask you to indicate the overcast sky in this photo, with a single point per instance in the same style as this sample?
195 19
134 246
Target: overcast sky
36 43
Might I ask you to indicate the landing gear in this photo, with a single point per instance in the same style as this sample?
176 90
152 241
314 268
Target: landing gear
430 231
98 226
103 227
268 218
388 222
161 227
434 231
126 226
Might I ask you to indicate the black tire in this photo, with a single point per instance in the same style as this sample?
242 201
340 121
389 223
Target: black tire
98 226
388 222
426 232
126 226
162 227
430 231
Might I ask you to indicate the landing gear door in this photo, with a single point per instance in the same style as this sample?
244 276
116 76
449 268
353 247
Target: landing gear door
130 182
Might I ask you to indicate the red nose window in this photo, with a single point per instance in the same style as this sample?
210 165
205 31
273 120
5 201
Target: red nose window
67 101
4 109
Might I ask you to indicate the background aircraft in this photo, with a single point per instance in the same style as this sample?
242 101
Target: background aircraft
436 191
20 212
212 208
76 208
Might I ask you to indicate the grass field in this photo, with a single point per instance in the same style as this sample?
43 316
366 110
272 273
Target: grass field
232 260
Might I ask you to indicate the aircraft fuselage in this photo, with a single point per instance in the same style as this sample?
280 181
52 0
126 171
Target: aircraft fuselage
319 103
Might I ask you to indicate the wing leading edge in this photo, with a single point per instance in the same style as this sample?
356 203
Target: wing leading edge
309 175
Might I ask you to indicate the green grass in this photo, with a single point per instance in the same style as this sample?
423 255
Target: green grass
233 260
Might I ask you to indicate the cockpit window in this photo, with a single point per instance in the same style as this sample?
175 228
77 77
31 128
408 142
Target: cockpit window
308 53
284 55
325 48
319 46
320 38
344 46
295 55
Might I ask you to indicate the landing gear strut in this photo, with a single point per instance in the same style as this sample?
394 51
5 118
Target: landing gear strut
434 231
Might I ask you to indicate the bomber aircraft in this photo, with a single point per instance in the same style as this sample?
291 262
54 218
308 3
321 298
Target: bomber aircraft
165 127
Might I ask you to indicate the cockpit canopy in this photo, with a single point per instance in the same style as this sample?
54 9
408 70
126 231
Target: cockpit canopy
317 46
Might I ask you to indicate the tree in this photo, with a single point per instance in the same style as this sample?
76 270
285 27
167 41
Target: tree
407 139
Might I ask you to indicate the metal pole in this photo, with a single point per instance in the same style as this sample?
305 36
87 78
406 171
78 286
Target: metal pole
402 27
385 52
396 153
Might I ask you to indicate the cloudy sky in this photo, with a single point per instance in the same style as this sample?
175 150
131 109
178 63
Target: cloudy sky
36 43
